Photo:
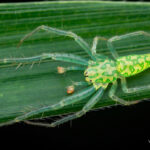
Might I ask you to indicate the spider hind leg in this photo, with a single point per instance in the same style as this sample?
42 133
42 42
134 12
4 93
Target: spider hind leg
117 99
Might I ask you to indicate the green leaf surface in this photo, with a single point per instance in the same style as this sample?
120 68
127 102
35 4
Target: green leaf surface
33 86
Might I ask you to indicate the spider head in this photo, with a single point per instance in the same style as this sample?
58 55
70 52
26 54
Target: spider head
90 74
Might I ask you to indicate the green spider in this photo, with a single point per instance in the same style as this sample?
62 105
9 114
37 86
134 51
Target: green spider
99 72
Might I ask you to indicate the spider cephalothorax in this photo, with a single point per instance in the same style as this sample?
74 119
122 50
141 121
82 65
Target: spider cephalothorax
99 71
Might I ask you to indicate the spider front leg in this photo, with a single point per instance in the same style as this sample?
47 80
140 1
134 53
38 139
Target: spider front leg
117 99
54 56
132 90
77 38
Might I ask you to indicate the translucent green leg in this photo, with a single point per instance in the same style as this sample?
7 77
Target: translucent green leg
75 68
95 98
109 44
78 39
116 38
62 70
132 90
95 41
54 56
117 99
75 85
80 83
66 101
112 49
46 124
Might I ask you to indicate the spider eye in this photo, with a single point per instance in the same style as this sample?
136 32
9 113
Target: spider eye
86 74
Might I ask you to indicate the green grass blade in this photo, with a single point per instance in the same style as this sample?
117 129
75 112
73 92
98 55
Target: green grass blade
28 88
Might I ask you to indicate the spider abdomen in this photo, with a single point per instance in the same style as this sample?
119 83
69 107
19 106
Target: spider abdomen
132 64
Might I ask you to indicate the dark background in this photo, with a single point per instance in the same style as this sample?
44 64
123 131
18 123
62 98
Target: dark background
118 126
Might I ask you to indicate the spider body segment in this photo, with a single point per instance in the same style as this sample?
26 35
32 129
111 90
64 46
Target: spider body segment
104 71
99 72
132 64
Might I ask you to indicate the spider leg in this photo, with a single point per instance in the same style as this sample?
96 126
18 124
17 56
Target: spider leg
109 44
54 56
112 49
77 38
132 90
81 83
117 99
71 88
48 125
62 70
116 38
94 99
66 101
95 42
75 68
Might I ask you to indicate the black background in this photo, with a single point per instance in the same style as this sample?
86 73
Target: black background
118 126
